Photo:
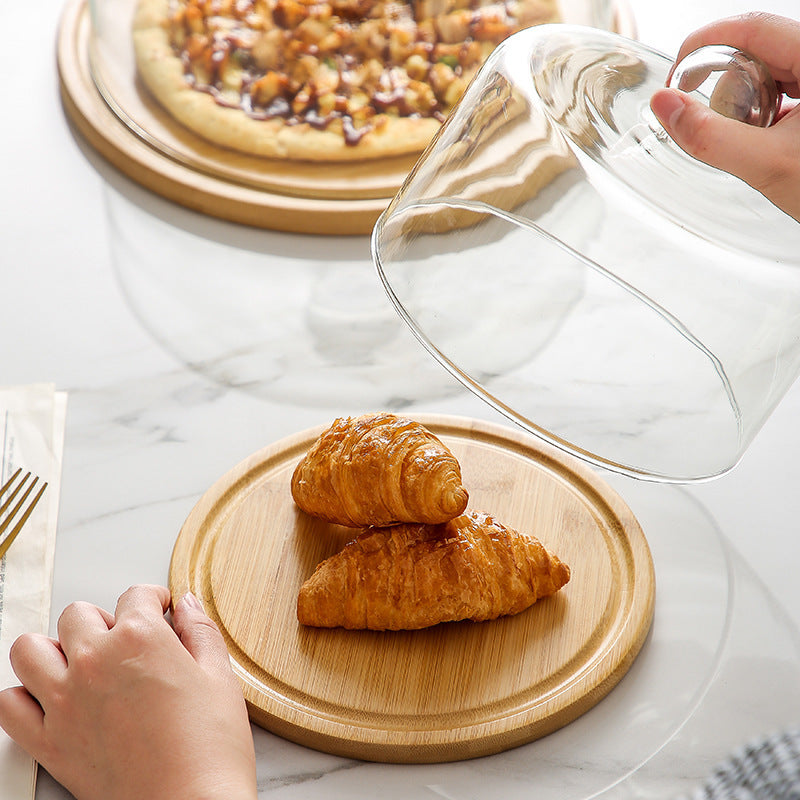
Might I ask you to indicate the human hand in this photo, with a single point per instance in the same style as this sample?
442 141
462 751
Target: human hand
766 158
125 706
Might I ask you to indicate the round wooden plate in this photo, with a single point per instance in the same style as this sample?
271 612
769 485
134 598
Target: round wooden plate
157 152
449 692
120 120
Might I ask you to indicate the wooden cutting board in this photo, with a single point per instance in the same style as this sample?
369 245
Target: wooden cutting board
146 145
449 692
120 121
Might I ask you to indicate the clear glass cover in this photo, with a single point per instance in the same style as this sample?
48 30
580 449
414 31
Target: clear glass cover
556 252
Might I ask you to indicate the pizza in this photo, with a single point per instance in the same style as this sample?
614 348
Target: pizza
320 80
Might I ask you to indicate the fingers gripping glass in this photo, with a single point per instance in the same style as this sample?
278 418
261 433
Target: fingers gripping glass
731 82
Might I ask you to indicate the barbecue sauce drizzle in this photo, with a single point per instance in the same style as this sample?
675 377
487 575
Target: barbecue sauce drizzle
280 107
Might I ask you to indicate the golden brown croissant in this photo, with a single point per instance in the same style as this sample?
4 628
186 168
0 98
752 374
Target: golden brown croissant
412 576
379 469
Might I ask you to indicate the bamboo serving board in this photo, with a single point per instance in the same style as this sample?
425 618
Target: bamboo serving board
134 134
453 691
126 126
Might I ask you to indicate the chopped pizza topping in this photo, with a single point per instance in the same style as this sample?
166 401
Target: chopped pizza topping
316 61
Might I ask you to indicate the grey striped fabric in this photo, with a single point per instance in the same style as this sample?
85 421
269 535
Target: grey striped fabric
765 769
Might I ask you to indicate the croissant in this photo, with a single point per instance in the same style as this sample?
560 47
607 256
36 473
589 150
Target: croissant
412 576
379 469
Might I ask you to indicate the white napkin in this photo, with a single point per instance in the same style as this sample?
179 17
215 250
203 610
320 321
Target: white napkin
32 421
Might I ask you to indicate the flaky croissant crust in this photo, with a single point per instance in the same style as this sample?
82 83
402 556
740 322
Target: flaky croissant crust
379 469
412 576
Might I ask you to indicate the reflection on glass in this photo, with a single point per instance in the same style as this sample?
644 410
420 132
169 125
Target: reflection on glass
731 82
287 318
688 700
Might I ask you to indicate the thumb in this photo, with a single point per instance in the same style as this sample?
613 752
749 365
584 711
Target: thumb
199 635
712 138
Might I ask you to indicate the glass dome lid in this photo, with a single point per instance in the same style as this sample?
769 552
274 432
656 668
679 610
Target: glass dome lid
564 259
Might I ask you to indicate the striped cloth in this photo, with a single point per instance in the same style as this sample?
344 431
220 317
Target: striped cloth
765 769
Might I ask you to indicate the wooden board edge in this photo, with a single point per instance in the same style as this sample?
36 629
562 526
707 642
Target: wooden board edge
113 140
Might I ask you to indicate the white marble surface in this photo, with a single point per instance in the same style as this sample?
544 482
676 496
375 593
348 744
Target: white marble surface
157 411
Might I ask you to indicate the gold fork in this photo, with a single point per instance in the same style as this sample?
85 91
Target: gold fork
17 513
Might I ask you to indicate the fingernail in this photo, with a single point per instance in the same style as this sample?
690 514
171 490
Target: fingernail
192 601
669 104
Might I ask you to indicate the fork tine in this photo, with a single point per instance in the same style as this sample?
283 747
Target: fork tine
13 512
7 502
7 485
10 480
12 534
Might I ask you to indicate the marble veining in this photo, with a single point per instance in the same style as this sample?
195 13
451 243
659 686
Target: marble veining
129 303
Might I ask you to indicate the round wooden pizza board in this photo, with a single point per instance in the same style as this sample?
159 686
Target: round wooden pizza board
120 120
453 691
130 130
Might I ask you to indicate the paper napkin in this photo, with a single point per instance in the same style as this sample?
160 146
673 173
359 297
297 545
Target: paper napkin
32 421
